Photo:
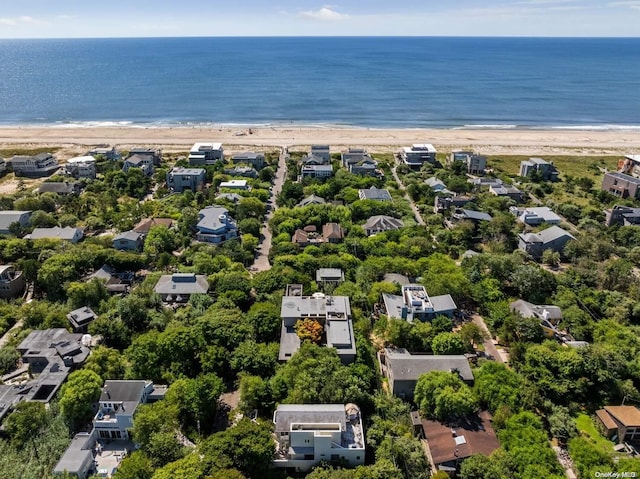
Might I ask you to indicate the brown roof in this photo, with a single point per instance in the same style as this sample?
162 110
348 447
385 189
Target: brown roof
146 224
332 230
606 419
310 228
628 416
478 433
300 236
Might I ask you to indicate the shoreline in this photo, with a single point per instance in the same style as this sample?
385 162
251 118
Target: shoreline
503 141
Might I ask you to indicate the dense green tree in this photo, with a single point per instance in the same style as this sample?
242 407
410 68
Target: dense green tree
135 466
163 448
447 343
443 395
191 466
90 293
8 359
196 400
255 358
25 422
150 419
265 320
561 424
496 386
77 396
106 363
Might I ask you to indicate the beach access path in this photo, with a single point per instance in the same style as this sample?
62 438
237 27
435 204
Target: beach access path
261 262
414 208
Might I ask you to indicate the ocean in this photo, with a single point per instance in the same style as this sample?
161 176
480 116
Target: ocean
374 82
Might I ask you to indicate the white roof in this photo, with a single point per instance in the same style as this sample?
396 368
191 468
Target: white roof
82 159
197 147
233 183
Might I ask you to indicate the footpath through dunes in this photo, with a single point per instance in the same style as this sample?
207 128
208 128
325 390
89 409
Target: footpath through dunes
491 141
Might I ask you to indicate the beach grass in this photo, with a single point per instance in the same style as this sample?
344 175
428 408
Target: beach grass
9 152
567 165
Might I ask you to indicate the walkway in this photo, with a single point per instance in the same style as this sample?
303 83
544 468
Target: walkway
489 346
261 262
416 212
9 334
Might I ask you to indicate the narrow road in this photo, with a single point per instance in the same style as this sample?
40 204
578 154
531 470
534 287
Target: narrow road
261 262
28 295
416 212
489 348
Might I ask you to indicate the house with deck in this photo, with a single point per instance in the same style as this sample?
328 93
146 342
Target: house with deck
81 318
620 423
548 315
206 154
176 288
180 179
215 225
474 163
142 162
414 304
81 167
37 166
417 155
553 238
622 216
621 185
252 158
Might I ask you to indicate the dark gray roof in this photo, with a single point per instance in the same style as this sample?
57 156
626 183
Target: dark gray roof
57 187
77 454
409 367
328 274
122 390
554 232
374 193
10 216
312 200
81 316
476 215
129 235
210 217
288 414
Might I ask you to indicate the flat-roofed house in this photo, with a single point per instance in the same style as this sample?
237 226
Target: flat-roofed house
403 369
332 312
308 434
553 238
9 217
12 282
474 163
535 215
316 171
108 152
252 158
37 166
128 241
178 287
206 154
77 460
621 185
415 304
68 233
381 223
375 194
180 179
215 225
234 185
81 318
333 276
622 215
81 167
418 154
545 169
621 422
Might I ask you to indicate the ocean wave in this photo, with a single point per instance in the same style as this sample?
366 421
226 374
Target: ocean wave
597 127
91 124
486 127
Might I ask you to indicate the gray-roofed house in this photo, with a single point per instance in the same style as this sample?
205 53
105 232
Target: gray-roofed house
316 171
375 194
332 312
215 225
482 184
233 197
7 218
312 200
128 241
403 369
108 152
546 170
37 166
437 186
116 283
180 179
366 168
80 167
308 434
507 191
553 238
548 315
353 156
622 215
415 304
535 215
471 215
381 223
154 153
326 276
249 158
443 203
81 318
206 153
142 162
321 151
68 233
12 282
177 287
244 171
474 164
622 185
60 188
77 460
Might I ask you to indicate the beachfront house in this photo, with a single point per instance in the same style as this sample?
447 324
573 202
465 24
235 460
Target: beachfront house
215 225
414 304
37 166
251 158
107 152
417 155
141 162
180 179
553 238
10 217
621 185
80 167
354 156
474 163
308 434
545 170
206 154
154 153
321 151
316 171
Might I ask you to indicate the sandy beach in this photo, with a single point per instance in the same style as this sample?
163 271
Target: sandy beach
74 140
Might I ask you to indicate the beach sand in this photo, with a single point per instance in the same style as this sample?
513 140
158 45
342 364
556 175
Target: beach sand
74 140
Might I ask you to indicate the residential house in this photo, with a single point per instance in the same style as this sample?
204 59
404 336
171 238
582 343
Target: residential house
116 282
235 185
375 194
415 304
437 186
67 233
332 312
507 191
215 225
81 318
630 165
206 154
451 443
484 183
548 315
12 282
110 153
37 166
142 162
243 171
178 287
60 188
81 167
329 276
154 153
145 225
354 156
622 215
9 217
621 423
621 185
366 168
129 241
180 179
417 155
553 238
316 171
534 216
78 460
321 151
544 169
252 158
308 434
474 164
444 203
381 223
403 369
332 233
233 197
461 214
312 200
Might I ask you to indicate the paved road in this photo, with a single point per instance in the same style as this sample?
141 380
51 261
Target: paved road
416 212
489 348
262 260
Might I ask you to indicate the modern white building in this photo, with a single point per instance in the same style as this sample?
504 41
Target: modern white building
235 185
308 434
206 153
81 167
418 154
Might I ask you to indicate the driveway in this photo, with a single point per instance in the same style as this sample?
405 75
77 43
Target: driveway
262 260
489 347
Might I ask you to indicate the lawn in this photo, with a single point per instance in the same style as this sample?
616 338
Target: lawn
587 428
